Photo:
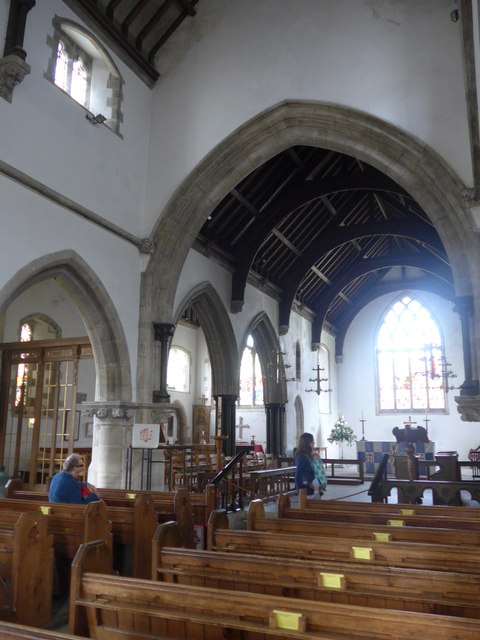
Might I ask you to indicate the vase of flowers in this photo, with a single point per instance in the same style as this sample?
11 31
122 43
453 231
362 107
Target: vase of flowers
342 434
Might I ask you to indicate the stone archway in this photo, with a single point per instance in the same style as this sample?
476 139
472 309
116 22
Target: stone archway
219 336
112 408
404 158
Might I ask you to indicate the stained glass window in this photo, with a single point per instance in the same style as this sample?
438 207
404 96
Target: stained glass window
251 377
410 359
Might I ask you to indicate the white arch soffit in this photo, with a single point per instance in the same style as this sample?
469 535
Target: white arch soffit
219 336
98 313
398 154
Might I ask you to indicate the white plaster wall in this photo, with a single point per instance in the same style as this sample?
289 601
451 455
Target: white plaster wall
37 229
356 380
400 61
44 133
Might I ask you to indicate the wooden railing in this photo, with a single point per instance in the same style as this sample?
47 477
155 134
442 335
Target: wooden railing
412 491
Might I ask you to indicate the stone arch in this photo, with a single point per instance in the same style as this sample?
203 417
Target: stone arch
73 274
403 157
219 336
267 346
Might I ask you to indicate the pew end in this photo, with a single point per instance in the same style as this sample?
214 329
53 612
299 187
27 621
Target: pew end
218 520
96 557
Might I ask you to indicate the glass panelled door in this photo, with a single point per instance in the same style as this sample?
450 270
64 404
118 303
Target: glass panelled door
39 417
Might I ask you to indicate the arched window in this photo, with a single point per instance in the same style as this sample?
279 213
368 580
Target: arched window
81 67
251 378
178 370
410 359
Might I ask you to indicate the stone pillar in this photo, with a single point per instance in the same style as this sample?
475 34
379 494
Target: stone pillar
17 20
111 437
13 67
163 334
275 421
225 422
464 308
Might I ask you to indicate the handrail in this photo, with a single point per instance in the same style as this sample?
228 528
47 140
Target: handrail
379 476
226 469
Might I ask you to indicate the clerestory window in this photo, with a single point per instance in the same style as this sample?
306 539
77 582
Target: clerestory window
82 68
410 359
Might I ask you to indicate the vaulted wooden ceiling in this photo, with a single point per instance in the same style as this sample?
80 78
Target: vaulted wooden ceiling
136 29
324 233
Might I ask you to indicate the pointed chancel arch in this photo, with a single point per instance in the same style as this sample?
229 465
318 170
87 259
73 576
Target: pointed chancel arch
103 326
219 336
402 157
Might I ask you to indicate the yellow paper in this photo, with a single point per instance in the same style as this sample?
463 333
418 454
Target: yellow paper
396 523
45 510
381 536
407 512
131 496
287 620
362 553
332 580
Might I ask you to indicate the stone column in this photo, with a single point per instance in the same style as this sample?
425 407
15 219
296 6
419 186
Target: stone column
163 334
13 67
225 422
275 421
464 308
112 434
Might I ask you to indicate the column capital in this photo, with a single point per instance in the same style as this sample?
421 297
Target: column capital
12 71
163 331
116 411
463 305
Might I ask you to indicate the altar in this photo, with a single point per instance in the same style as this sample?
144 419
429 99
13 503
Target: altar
371 453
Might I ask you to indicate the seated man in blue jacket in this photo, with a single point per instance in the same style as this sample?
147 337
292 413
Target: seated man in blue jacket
66 487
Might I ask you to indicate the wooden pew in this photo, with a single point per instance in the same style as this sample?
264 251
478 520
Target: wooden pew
414 555
445 593
409 516
380 507
118 607
26 568
167 503
318 524
69 524
12 631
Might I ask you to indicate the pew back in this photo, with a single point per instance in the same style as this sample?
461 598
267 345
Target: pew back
116 607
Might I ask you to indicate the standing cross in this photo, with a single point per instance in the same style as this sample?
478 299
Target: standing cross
203 399
409 422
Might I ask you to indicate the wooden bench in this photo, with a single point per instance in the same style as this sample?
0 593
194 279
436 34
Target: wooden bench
26 568
116 607
202 504
414 555
70 524
382 507
12 631
409 516
309 522
445 593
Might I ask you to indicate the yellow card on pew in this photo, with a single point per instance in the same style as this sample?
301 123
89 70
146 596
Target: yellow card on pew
362 553
407 512
288 620
331 580
131 496
396 523
45 510
381 536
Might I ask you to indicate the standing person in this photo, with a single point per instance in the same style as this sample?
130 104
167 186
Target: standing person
65 486
304 470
